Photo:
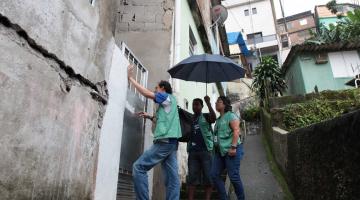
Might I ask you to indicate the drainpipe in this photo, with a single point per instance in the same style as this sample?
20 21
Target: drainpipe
177 41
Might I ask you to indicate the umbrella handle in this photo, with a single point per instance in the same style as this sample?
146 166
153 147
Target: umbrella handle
206 89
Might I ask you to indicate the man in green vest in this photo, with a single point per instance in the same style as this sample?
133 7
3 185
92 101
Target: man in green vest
164 149
200 148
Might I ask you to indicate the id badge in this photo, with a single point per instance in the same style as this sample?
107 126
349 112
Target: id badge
216 139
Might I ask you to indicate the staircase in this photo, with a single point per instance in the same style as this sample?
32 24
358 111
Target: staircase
200 191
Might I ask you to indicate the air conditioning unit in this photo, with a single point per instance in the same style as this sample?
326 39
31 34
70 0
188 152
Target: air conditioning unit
321 58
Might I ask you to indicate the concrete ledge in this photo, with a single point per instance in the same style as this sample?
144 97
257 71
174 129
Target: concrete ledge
280 131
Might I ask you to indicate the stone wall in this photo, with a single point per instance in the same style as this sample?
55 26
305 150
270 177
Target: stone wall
320 161
54 60
324 159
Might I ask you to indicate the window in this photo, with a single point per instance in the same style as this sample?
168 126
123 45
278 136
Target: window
344 63
214 29
92 2
246 12
289 25
192 43
281 28
284 41
254 38
254 11
303 22
140 72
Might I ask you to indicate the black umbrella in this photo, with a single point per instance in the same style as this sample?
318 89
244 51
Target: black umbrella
207 68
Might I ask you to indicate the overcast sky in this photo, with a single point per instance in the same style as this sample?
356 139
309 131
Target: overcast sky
292 7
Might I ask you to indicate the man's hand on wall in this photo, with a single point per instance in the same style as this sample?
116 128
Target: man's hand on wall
130 71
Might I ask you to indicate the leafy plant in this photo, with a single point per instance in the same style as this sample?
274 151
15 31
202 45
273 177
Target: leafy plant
332 6
251 114
304 114
268 79
346 29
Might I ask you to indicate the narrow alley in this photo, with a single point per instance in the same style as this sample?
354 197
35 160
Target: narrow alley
149 99
258 179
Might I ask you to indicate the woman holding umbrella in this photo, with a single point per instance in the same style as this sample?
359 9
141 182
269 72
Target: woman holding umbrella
228 149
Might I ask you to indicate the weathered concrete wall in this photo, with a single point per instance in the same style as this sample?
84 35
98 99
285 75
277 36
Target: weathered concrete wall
146 27
279 140
320 161
324 159
52 57
75 31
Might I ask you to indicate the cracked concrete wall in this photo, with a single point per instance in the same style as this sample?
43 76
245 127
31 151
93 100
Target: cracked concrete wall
72 30
55 58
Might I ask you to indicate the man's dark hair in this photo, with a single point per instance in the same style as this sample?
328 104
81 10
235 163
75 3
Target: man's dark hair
166 85
200 101
227 103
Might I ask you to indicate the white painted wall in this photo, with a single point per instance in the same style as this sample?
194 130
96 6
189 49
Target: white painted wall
263 21
111 131
344 63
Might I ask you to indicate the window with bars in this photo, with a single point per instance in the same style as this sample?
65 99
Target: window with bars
254 11
246 12
255 38
284 41
192 43
140 72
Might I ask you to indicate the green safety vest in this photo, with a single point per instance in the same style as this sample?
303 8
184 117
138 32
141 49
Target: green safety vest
167 124
206 132
224 132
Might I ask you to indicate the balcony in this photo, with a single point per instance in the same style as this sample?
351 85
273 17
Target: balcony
261 42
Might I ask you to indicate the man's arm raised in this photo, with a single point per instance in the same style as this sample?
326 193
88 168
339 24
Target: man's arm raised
144 91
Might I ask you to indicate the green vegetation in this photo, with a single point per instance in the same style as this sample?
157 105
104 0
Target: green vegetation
276 171
268 79
251 114
347 29
327 105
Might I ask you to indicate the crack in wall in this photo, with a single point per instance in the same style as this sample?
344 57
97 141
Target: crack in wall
97 94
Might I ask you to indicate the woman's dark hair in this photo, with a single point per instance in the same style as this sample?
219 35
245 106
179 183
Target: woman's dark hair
166 85
200 101
226 102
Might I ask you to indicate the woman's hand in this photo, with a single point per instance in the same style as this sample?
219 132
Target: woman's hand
232 152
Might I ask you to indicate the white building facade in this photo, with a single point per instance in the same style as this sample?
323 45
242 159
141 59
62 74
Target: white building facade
255 20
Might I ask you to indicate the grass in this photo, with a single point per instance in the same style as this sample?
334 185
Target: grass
276 171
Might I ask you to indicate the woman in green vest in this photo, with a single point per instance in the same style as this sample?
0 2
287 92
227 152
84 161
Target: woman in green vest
165 145
228 149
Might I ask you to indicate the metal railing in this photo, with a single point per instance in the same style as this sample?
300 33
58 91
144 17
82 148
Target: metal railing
262 39
141 74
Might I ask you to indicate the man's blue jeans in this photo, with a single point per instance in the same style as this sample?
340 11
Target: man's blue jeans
164 153
232 164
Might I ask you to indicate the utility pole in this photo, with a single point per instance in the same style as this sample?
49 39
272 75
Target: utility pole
286 31
283 16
